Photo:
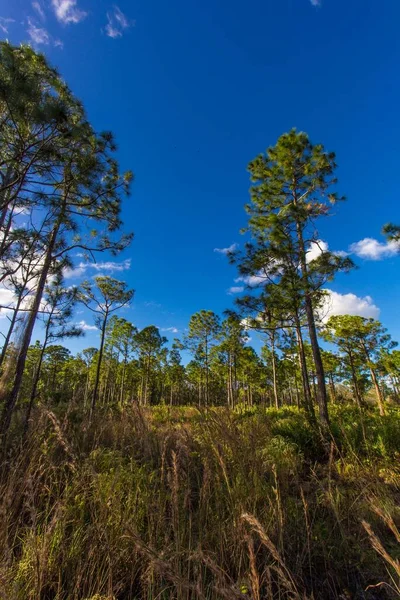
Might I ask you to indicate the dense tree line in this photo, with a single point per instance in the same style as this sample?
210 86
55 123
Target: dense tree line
138 367
61 191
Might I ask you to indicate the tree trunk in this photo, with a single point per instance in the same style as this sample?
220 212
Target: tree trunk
275 383
122 395
10 330
11 399
99 360
308 405
355 382
319 368
146 383
37 376
332 388
206 398
378 391
230 382
5 197
394 386
379 396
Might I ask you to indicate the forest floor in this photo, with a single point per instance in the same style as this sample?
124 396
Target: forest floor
173 503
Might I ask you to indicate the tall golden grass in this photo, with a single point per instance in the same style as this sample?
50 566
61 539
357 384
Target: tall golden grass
178 504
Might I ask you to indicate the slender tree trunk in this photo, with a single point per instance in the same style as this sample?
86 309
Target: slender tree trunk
322 398
314 387
304 371
230 381
141 390
296 385
86 393
98 367
37 376
332 388
357 394
5 243
235 381
291 393
122 396
5 198
11 399
394 386
146 384
275 383
319 368
10 330
206 398
379 395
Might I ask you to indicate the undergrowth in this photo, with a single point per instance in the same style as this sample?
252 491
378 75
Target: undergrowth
173 503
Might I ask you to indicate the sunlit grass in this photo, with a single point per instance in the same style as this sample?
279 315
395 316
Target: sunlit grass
178 503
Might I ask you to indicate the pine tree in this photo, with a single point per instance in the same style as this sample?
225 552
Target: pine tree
204 328
290 190
108 296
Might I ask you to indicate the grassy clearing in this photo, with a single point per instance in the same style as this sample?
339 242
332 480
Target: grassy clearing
175 504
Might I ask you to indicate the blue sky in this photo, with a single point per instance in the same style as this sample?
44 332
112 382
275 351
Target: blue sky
193 91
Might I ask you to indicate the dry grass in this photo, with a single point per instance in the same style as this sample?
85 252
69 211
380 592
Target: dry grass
163 504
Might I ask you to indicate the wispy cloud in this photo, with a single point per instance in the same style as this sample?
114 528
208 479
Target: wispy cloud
4 23
117 23
83 325
38 35
235 290
111 265
227 250
67 11
152 304
252 280
316 2
107 267
169 329
371 249
38 8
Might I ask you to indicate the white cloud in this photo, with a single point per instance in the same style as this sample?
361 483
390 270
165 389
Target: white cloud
235 290
107 266
111 265
315 250
74 273
252 280
170 329
67 11
4 24
371 249
38 35
318 247
316 2
7 299
83 325
348 304
117 23
37 6
230 248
